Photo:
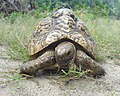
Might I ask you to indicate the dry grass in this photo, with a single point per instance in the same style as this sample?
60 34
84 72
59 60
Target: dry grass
15 35
106 33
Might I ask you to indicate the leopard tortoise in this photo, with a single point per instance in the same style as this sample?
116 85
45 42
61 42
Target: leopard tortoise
59 41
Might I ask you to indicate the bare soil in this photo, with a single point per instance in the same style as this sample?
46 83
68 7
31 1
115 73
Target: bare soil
47 85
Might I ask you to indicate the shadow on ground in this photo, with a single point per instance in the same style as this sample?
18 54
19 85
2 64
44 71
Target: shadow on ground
44 85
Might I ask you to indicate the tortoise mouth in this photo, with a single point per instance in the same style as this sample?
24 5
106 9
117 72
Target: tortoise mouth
53 45
64 62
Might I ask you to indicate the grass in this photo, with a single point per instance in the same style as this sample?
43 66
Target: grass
15 32
106 33
74 73
15 35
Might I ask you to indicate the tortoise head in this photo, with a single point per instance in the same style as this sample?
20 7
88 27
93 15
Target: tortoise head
65 53
64 12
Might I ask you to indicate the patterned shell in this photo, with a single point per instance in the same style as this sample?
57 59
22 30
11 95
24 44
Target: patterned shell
63 24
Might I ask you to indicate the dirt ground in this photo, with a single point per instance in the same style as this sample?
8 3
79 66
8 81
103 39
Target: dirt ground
44 85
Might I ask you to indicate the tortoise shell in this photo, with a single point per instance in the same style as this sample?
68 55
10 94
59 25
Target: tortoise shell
61 26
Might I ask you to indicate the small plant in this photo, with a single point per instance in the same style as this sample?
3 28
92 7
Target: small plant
75 72
16 77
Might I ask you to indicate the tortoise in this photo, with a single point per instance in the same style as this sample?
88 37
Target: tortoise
61 40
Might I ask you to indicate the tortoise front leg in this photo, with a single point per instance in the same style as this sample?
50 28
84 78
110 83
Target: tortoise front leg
87 63
45 60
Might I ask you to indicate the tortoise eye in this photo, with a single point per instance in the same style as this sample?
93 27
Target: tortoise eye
69 53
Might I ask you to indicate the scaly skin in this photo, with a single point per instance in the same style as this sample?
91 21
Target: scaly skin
45 60
88 63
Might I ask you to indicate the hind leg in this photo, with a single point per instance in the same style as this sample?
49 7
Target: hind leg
45 60
86 62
